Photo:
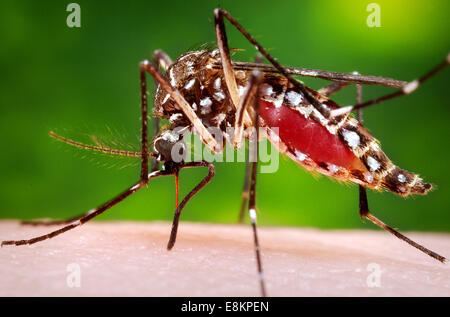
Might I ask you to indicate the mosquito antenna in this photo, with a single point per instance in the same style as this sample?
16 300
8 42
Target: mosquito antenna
102 149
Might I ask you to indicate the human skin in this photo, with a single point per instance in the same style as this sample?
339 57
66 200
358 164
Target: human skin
131 259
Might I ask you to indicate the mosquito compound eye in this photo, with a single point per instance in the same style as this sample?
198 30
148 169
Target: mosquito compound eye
169 146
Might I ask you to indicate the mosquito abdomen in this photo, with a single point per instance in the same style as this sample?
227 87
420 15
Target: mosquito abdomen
346 152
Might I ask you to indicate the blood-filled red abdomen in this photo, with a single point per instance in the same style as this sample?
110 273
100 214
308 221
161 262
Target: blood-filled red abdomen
307 136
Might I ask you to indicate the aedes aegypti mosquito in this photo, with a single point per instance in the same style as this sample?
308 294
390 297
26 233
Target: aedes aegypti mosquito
206 89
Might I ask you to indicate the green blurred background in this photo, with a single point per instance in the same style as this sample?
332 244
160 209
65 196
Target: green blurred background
85 79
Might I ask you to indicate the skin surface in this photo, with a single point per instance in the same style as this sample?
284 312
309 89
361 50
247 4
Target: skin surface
130 259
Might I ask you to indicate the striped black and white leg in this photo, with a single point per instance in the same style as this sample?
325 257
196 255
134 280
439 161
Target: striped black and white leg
405 90
87 216
252 196
332 88
364 205
245 190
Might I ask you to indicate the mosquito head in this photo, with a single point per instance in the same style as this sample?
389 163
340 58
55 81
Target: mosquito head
170 146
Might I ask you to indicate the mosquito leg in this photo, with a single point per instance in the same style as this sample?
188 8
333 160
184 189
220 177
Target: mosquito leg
252 198
155 163
405 90
144 132
364 205
332 88
249 98
364 212
252 97
88 216
144 155
204 181
183 104
245 189
162 60
222 44
53 222
219 15
230 80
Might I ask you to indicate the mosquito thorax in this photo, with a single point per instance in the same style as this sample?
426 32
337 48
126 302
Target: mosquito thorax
196 76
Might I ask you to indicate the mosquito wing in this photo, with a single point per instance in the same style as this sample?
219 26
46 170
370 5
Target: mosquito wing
352 78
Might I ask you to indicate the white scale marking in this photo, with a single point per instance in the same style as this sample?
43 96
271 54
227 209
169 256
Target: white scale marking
241 90
333 168
294 98
217 83
401 178
220 117
341 111
205 102
166 98
76 223
410 87
351 137
278 102
324 121
373 164
172 78
252 213
300 156
190 67
352 122
332 129
190 84
306 111
175 117
219 96
368 177
135 187
415 180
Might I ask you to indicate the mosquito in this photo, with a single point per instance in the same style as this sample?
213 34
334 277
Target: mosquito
205 88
